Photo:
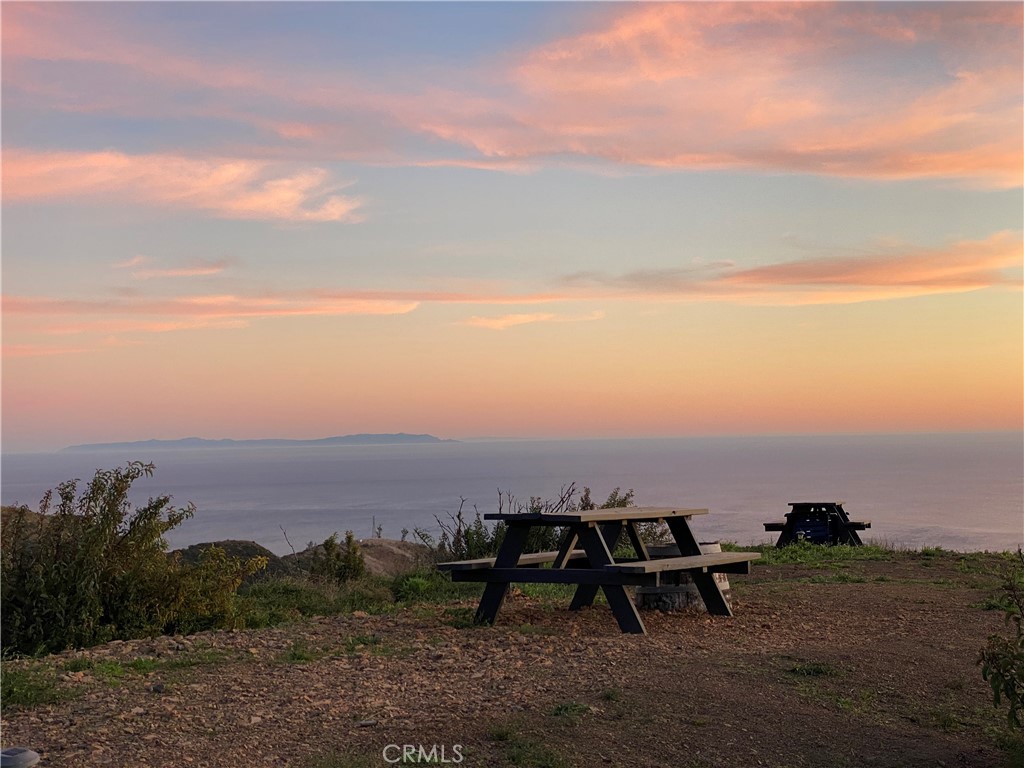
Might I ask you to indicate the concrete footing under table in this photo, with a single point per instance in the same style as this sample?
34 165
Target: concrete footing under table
685 596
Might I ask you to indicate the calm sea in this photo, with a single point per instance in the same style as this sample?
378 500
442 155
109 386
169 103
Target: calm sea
959 491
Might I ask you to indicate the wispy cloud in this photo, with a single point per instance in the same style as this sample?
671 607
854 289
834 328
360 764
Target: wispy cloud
211 306
888 272
882 91
885 272
40 350
225 188
504 322
195 270
779 87
134 261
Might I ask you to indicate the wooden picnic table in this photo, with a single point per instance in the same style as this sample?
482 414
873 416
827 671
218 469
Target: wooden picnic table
586 558
819 522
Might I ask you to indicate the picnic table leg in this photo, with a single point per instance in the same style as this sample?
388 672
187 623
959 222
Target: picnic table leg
508 557
850 536
636 541
623 608
585 593
572 535
705 582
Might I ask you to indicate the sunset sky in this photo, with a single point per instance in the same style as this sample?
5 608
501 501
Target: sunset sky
528 220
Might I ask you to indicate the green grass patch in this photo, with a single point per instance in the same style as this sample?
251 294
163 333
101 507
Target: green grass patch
813 669
271 601
274 600
32 686
572 710
994 603
142 665
108 671
805 553
553 592
860 704
502 732
300 653
198 657
357 643
529 753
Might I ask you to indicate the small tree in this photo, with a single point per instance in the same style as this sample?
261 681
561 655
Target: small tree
88 568
1002 659
341 562
467 539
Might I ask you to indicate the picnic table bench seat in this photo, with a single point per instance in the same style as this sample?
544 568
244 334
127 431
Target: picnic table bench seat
729 562
531 559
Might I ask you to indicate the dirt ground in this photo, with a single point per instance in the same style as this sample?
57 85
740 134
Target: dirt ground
868 665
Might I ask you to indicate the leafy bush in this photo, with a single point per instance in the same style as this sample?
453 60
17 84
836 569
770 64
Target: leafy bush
339 562
89 568
463 539
1002 659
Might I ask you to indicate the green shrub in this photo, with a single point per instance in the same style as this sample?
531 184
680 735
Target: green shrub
470 539
1002 659
89 568
32 686
341 562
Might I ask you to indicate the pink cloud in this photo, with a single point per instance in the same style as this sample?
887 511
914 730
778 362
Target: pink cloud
134 261
882 273
39 350
887 273
962 266
760 86
195 270
769 87
212 306
226 188
505 322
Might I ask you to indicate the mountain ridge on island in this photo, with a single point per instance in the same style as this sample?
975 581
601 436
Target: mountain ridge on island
396 438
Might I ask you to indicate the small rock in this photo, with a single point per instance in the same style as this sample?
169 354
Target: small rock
157 688
366 723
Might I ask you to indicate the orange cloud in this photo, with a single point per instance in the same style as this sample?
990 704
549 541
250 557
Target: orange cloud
135 261
764 86
888 273
197 270
884 273
36 350
889 91
222 306
962 266
508 321
232 189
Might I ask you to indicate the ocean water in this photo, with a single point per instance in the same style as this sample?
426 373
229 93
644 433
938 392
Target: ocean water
959 491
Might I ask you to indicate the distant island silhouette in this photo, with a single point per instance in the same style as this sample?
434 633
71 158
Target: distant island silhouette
399 438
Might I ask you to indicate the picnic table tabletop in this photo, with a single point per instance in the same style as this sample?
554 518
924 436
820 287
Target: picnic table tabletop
614 514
